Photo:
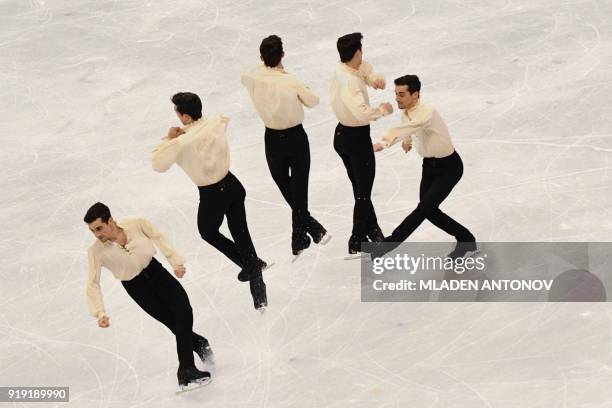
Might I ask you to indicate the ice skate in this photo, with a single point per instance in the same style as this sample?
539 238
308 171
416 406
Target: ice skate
191 378
299 242
202 348
354 244
318 233
463 250
375 234
245 276
258 291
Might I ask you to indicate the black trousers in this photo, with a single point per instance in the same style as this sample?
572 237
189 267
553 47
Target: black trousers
164 299
226 199
354 146
438 179
288 157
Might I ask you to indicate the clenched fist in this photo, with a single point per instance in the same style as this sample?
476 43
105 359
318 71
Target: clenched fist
407 145
175 132
387 108
104 322
379 83
179 271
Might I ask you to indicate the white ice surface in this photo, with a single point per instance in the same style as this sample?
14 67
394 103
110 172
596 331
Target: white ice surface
84 88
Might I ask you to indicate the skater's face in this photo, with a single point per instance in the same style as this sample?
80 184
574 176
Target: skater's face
102 230
405 99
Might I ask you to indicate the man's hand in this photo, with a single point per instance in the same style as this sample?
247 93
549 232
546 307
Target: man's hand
104 322
379 83
407 145
377 147
179 271
386 107
175 132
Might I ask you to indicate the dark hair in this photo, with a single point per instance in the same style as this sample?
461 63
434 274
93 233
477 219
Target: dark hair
98 210
348 46
271 50
188 103
412 81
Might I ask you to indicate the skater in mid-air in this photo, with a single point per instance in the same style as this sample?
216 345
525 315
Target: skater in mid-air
200 148
279 98
352 142
423 126
127 249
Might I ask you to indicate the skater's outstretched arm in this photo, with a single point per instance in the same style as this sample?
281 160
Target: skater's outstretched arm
405 131
161 242
393 136
94 292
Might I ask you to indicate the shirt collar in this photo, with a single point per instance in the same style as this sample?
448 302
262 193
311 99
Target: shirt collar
351 70
189 125
415 107
274 69
124 228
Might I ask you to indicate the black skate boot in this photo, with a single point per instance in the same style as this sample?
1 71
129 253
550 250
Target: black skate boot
258 291
375 234
191 377
317 231
354 244
463 249
299 240
245 275
377 249
202 348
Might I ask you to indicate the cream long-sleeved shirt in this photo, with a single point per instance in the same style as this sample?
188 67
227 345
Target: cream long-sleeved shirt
349 95
424 126
202 151
125 262
278 96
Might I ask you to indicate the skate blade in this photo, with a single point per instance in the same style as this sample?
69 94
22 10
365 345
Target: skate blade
325 240
262 310
468 254
268 266
296 257
194 385
472 253
352 257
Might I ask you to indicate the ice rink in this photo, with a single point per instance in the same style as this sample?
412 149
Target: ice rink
525 88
